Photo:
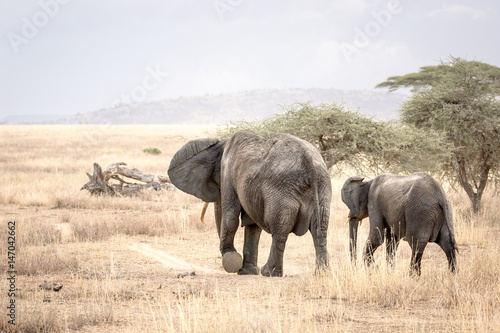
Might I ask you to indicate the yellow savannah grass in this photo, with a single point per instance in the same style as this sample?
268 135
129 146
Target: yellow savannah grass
87 243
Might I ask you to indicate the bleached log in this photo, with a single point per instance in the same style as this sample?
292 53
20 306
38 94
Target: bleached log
99 181
116 168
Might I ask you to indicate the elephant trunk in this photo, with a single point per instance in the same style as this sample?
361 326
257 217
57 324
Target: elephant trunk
353 237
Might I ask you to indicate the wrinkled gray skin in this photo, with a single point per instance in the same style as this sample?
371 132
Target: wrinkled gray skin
414 208
278 184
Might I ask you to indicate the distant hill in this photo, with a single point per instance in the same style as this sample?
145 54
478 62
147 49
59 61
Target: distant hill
31 119
247 105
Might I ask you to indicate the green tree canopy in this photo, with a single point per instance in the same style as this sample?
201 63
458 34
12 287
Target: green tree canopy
462 102
429 76
346 138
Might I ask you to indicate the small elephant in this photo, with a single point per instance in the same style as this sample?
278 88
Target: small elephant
278 184
414 208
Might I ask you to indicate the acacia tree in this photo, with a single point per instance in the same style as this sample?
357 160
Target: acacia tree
428 76
346 138
460 99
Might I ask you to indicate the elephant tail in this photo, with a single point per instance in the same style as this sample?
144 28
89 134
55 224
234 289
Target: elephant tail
448 216
314 187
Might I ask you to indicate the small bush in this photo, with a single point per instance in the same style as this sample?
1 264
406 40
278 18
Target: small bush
152 151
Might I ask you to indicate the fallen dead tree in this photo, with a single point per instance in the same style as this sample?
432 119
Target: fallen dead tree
99 181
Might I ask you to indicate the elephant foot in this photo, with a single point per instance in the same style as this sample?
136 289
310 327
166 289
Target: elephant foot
232 261
414 272
322 263
369 263
274 272
322 270
249 270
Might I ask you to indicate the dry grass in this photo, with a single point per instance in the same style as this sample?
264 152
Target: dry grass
91 245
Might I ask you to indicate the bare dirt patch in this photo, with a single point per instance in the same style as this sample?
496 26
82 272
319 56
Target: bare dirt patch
168 260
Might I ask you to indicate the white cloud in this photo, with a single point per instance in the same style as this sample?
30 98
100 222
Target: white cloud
457 10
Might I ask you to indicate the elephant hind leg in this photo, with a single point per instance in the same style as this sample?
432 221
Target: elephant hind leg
444 241
274 265
251 250
282 224
417 250
322 257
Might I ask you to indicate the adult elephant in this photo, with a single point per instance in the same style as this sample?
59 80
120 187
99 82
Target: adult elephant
411 207
278 184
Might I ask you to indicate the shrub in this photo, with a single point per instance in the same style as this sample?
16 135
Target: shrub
152 151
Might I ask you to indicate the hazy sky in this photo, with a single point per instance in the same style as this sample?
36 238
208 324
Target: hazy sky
69 56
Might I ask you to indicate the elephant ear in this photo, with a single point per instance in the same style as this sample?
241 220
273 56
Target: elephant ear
355 179
350 194
195 168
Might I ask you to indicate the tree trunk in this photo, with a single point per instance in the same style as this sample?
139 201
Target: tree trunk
467 179
476 204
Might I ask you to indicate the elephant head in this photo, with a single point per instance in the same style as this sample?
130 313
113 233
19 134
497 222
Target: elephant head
195 169
355 196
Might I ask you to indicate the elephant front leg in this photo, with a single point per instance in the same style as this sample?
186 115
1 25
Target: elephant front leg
274 265
417 250
251 250
375 239
353 238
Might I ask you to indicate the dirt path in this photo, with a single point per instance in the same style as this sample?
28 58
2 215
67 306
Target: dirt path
160 256
168 260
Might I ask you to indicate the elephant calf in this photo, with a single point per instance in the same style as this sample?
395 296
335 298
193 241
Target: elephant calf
278 184
414 208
